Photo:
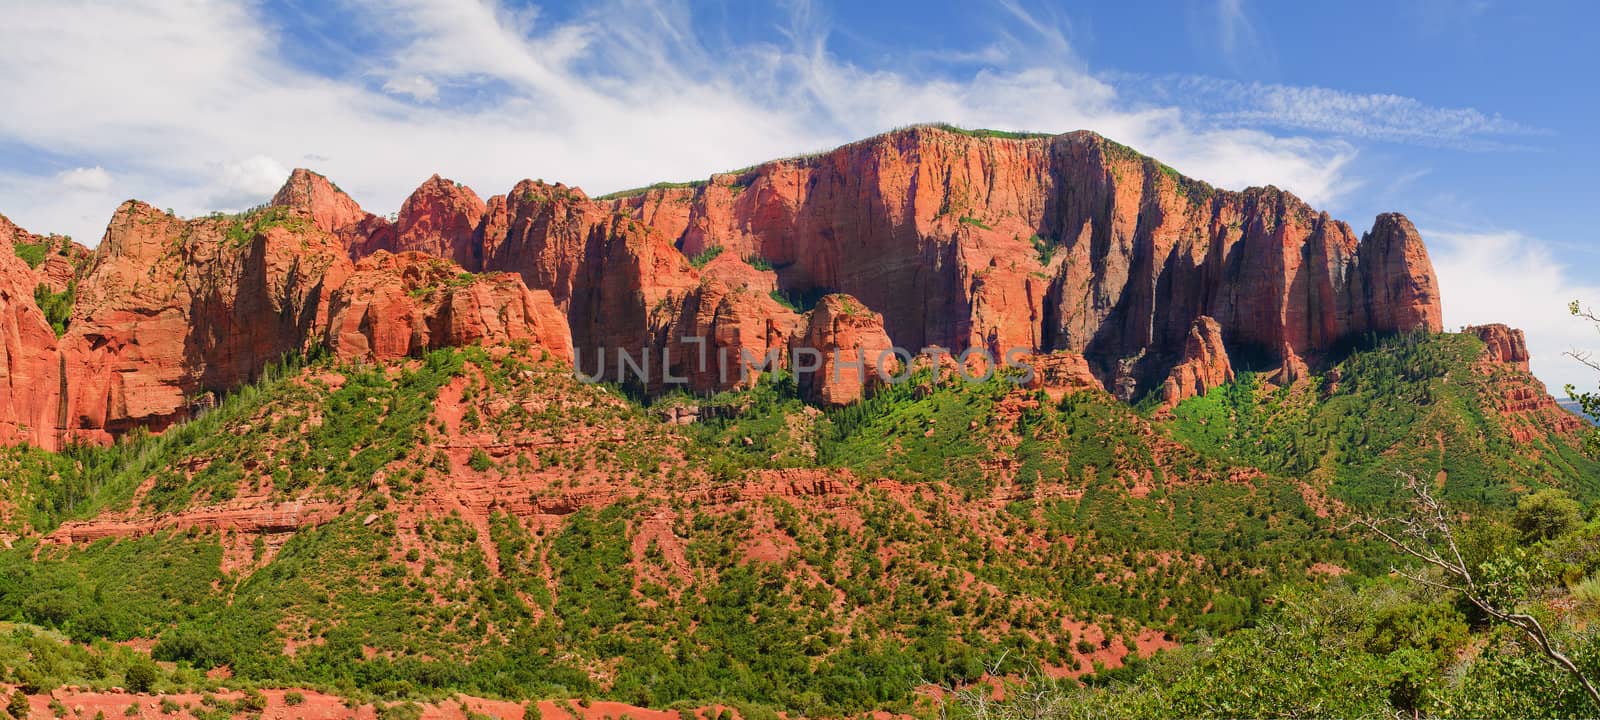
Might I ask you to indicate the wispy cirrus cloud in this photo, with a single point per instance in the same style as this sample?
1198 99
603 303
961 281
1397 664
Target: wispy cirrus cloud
1382 117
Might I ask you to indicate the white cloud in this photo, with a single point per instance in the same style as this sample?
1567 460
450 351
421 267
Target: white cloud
624 95
94 179
1391 118
1506 277
1235 37
243 183
415 86
1233 26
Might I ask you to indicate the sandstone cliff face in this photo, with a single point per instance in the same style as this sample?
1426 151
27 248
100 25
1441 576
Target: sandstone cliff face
1526 410
30 367
396 306
328 207
1060 373
169 310
1067 243
1204 364
441 218
1502 344
1064 247
720 336
1064 243
846 349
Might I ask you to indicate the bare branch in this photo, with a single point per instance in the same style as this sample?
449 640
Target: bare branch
1426 534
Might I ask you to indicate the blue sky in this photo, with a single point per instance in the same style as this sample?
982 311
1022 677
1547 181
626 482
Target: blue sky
1474 118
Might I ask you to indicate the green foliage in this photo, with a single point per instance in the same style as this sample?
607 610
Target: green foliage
783 299
758 262
31 253
1397 406
986 522
1589 402
633 192
975 222
111 589
140 677
57 307
39 661
986 133
246 228
705 256
18 706
800 301
1045 249
1546 514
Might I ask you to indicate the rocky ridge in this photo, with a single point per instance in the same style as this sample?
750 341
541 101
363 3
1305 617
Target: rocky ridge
1069 244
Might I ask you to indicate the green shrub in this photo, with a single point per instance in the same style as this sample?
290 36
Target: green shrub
140 677
18 706
1546 514
31 253
57 307
705 256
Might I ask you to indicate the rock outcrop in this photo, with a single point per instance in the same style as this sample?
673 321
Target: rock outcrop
842 352
1204 365
328 207
30 366
1069 242
720 336
169 310
172 308
1037 244
395 306
1059 373
1502 344
441 218
1525 407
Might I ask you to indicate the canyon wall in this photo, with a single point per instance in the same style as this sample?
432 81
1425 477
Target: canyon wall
1069 247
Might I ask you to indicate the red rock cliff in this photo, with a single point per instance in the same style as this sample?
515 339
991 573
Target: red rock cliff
1502 344
169 310
1070 242
30 365
1525 407
1204 366
1068 246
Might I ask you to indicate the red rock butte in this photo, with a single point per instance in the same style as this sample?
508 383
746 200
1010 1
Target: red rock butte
1108 267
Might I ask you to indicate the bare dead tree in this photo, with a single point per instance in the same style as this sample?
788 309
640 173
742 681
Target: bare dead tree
1583 356
1425 534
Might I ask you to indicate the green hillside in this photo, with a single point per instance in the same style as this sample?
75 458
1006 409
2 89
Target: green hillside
496 528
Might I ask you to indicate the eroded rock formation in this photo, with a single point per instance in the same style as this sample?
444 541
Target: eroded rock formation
1204 364
1064 247
1502 344
169 310
842 352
